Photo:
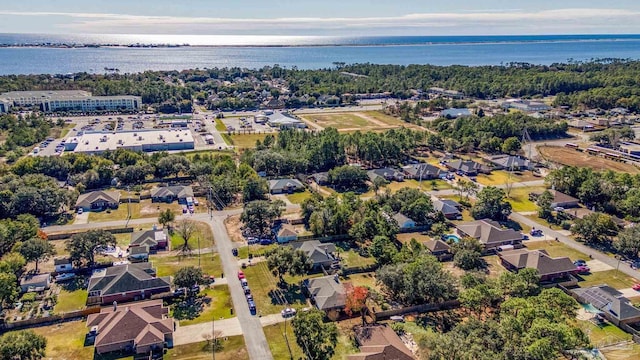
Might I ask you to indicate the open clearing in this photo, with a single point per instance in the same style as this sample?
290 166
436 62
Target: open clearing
571 157
352 121
246 141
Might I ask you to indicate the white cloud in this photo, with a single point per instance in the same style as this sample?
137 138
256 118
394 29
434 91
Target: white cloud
509 20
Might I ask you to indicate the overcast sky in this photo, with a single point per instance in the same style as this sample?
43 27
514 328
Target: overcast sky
325 17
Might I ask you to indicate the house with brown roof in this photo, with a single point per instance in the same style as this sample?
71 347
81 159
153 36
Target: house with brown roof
549 269
467 167
380 342
122 283
438 248
490 234
154 239
286 233
560 199
98 200
139 328
423 171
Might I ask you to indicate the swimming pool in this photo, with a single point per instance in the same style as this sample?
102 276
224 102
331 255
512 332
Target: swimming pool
451 237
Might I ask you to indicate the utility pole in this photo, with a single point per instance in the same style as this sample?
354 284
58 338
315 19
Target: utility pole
199 252
213 333
287 338
128 207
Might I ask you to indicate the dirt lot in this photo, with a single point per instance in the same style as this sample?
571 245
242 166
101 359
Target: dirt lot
234 225
352 121
571 157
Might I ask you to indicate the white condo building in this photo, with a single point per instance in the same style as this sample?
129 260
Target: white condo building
49 101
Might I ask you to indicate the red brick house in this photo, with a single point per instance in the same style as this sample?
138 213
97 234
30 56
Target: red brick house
122 283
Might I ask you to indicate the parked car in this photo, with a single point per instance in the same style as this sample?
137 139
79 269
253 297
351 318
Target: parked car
244 282
246 289
288 312
265 241
65 277
80 211
179 292
252 307
580 262
535 232
636 287
249 297
252 240
234 251
240 274
583 269
194 289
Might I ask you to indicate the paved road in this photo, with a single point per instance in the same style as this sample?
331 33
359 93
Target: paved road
228 327
254 338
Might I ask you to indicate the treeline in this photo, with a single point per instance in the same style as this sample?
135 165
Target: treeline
22 131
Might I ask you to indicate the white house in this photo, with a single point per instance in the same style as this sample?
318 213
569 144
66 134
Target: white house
62 265
286 233
404 222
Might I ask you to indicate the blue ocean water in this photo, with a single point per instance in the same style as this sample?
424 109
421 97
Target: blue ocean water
301 52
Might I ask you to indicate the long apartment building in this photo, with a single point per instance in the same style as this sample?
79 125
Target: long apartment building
66 100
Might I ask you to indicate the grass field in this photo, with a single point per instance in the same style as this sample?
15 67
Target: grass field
168 265
70 301
501 177
605 334
275 335
256 250
405 238
556 249
201 235
220 126
519 198
246 141
143 209
217 306
299 197
631 352
571 157
613 278
352 121
263 286
66 340
233 348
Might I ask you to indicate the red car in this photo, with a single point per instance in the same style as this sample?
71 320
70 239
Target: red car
240 274
636 287
583 269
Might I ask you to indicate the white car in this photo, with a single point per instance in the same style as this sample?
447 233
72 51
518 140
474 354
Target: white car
288 312
65 277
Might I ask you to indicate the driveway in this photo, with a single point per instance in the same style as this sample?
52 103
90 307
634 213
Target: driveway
81 218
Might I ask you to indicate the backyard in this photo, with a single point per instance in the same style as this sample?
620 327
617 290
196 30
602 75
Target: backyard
66 340
72 296
614 278
143 209
556 249
211 304
298 197
519 198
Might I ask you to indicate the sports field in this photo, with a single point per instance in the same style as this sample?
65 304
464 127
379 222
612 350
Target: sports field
353 121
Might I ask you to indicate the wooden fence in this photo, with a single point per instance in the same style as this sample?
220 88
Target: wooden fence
451 304
15 325
60 236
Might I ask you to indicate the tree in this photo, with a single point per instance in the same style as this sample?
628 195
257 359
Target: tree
511 145
490 204
36 250
13 263
383 249
525 282
356 302
83 246
172 165
187 277
595 229
8 287
185 230
284 259
258 216
348 177
628 242
544 204
467 254
256 188
166 217
316 338
22 345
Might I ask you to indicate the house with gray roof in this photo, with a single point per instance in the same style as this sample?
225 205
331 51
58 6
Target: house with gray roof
138 253
467 167
454 113
549 269
98 200
140 328
510 162
387 174
438 248
560 199
449 208
169 194
37 282
404 222
422 171
611 303
321 254
380 342
489 233
286 233
327 293
122 283
154 239
285 186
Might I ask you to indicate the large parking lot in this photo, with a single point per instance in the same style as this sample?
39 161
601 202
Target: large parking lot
246 124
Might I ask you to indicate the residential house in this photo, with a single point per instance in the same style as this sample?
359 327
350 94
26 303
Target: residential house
510 162
327 293
37 283
321 178
610 302
140 328
169 194
549 269
62 265
454 113
387 174
449 208
438 248
321 254
404 223
380 342
467 167
285 186
490 234
154 239
582 125
138 253
98 200
131 282
423 171
561 200
286 233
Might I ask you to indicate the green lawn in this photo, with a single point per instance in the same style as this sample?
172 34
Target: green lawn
120 213
556 249
220 126
256 250
70 301
201 235
613 278
494 266
247 141
233 348
299 197
519 198
604 334
66 340
264 285
275 335
351 258
217 306
364 279
168 265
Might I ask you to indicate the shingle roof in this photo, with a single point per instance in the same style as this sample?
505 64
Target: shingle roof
149 237
400 218
488 232
609 300
378 342
386 173
436 245
422 170
327 291
510 161
287 230
539 260
281 184
61 261
126 278
85 200
467 166
177 191
139 250
317 251
144 323
447 207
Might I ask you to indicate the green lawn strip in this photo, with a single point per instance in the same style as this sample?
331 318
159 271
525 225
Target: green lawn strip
275 335
70 301
168 265
299 197
556 249
603 334
233 348
121 213
220 126
542 222
255 250
613 278
217 306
